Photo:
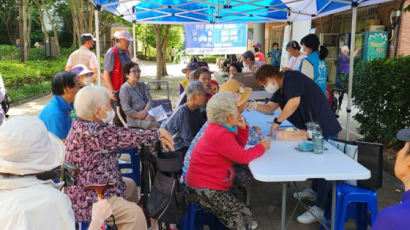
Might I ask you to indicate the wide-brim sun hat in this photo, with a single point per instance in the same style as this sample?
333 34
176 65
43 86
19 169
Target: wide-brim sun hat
242 93
123 34
81 70
27 147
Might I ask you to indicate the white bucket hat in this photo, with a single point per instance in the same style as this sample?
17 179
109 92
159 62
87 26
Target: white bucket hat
123 34
81 69
26 147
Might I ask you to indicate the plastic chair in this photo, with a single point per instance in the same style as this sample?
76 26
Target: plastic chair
82 225
358 202
134 165
195 219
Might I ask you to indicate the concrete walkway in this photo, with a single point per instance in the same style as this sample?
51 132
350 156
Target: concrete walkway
266 197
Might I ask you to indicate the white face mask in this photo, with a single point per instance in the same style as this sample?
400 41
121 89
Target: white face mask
272 88
87 81
110 116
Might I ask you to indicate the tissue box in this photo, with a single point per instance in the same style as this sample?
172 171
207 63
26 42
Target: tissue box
291 135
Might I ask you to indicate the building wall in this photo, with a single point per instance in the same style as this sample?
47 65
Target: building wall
404 37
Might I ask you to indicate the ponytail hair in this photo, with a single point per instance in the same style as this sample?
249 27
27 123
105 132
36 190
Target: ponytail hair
323 52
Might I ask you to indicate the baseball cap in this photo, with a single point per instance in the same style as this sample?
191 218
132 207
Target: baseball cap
258 44
403 135
123 34
86 37
191 66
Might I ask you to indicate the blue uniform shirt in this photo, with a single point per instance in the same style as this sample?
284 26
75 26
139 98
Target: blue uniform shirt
313 103
56 116
396 217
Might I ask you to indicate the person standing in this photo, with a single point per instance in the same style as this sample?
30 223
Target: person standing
2 98
115 57
250 63
259 56
296 58
275 54
314 64
84 56
172 52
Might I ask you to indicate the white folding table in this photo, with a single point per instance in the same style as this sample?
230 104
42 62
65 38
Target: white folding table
283 163
260 95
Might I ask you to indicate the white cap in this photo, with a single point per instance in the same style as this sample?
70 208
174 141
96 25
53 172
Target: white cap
27 147
81 69
123 34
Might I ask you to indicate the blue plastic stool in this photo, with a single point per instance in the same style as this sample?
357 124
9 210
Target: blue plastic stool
82 225
134 165
354 203
195 218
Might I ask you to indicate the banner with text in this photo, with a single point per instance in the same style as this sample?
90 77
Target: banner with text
215 39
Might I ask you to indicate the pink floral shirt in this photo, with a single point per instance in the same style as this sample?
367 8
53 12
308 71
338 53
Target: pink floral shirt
91 147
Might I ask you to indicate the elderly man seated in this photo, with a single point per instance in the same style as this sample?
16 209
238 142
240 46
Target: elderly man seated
25 201
91 146
185 123
56 115
210 174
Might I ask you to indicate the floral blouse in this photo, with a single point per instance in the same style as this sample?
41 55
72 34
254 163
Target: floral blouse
91 147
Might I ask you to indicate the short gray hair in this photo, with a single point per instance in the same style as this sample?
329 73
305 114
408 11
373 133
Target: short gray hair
344 48
194 87
220 106
89 98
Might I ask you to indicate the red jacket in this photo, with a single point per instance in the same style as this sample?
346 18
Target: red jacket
212 157
117 77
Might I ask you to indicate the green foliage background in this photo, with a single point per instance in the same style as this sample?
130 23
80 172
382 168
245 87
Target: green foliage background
381 91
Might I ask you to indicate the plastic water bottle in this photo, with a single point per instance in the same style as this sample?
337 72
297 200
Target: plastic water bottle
318 143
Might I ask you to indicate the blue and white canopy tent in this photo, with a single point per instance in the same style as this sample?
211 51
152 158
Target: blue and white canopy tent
231 11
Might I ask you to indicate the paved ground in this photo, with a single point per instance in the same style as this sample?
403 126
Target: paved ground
266 197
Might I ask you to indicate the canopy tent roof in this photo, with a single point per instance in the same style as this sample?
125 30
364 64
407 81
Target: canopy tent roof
224 11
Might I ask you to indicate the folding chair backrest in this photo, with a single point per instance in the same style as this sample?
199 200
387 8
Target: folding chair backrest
349 148
120 118
371 157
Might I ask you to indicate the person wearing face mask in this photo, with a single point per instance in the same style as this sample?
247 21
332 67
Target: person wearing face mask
84 56
91 147
293 48
314 64
84 75
250 64
397 216
299 98
136 99
187 120
56 115
259 56
211 172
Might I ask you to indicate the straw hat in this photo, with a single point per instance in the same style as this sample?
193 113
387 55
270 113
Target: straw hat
242 93
26 147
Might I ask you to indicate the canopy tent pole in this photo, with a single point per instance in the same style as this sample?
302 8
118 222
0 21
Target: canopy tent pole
135 42
351 70
97 37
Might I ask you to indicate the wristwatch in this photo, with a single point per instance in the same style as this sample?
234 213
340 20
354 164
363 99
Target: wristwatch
276 121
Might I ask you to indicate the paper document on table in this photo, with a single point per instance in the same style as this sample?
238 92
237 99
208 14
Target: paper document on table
158 113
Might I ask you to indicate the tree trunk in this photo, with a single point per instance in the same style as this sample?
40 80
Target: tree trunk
22 17
161 39
76 23
90 17
53 27
41 17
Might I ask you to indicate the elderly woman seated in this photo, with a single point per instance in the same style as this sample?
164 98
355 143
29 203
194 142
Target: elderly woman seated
211 172
185 123
91 145
136 99
27 202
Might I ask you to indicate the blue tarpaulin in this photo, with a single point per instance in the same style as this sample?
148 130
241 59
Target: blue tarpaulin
224 11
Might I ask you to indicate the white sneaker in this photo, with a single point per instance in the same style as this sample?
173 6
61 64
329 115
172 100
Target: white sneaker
307 194
254 224
314 214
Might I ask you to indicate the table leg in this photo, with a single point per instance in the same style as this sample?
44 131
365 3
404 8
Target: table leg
283 219
333 220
